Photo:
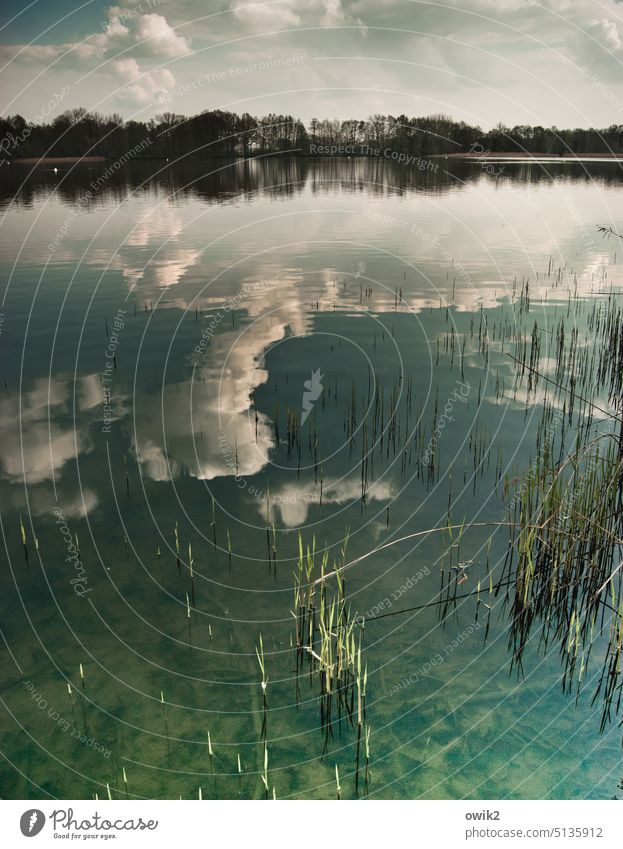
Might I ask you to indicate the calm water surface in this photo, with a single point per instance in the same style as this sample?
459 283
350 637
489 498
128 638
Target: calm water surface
158 342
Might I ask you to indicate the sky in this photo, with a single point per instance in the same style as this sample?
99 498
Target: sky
553 63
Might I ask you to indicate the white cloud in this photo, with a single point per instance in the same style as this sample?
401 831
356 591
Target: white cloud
333 14
93 46
609 33
143 87
514 62
114 27
291 501
127 69
35 448
267 16
152 34
155 33
42 499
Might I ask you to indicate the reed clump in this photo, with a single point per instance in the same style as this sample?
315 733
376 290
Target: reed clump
567 538
328 647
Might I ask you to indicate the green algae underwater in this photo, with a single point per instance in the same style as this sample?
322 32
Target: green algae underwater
311 483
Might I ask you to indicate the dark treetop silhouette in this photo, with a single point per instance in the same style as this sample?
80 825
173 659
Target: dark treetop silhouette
78 133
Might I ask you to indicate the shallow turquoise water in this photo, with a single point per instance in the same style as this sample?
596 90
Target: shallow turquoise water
229 289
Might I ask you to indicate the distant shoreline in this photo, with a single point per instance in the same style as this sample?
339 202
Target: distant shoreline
466 156
52 160
554 157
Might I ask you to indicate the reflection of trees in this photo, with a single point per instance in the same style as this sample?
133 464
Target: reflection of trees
215 180
211 180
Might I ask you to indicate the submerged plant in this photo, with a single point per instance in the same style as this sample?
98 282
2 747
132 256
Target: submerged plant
260 659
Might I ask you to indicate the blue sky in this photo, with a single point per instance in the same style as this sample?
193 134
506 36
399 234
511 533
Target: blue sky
34 18
556 62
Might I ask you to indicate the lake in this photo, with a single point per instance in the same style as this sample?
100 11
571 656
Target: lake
215 373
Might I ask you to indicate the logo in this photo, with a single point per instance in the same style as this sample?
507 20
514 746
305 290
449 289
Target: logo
32 822
313 391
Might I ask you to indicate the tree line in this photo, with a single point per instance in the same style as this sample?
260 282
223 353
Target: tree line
78 132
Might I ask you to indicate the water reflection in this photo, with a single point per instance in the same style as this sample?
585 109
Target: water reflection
220 181
240 287
42 439
364 237
205 425
290 503
36 445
